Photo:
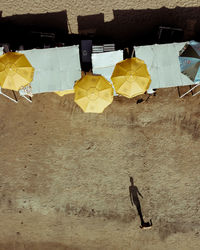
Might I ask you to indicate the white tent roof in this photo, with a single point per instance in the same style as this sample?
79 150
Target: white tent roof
56 69
163 65
104 63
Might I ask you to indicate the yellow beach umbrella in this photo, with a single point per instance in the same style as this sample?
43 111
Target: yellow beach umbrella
93 93
64 92
15 71
131 77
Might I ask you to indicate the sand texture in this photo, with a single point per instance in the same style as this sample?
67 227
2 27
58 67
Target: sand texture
75 8
64 179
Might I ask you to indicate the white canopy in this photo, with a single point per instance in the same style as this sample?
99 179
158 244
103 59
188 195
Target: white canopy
56 69
163 65
104 63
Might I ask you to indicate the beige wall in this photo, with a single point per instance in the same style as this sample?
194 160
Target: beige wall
77 8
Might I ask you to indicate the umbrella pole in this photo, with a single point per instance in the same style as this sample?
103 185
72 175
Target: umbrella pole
9 97
29 100
197 92
14 95
190 91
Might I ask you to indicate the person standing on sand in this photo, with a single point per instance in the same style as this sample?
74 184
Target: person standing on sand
133 191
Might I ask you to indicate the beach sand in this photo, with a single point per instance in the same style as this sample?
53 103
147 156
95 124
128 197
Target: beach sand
105 11
64 179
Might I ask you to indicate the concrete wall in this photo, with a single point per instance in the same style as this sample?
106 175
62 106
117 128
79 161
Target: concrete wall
76 8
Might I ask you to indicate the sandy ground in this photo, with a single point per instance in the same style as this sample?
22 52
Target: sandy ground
64 176
75 8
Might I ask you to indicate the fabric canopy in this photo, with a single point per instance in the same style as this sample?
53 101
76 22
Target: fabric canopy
162 61
56 69
15 71
104 63
93 93
131 77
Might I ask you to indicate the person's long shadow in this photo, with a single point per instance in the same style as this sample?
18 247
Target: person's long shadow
133 191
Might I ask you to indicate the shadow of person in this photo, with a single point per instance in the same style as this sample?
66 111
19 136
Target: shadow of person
133 191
